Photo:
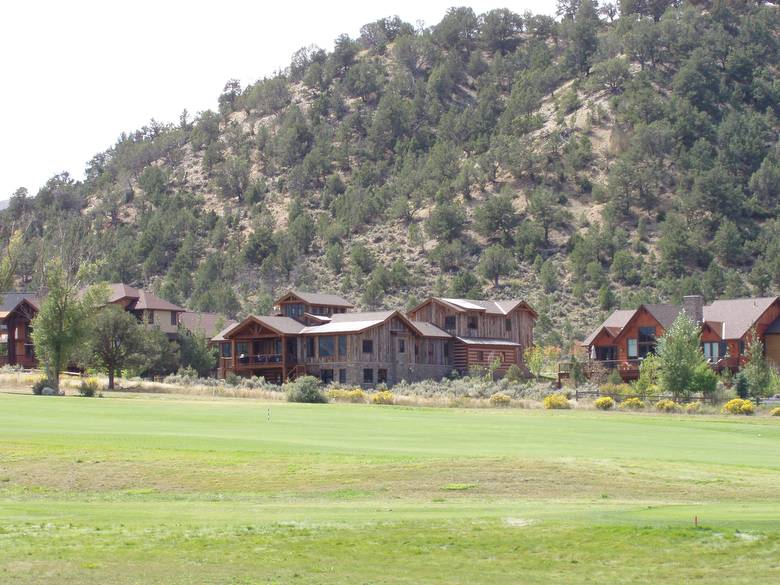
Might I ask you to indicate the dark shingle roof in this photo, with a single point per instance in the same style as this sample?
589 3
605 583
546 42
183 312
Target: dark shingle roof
207 324
141 299
319 299
663 313
737 315
10 300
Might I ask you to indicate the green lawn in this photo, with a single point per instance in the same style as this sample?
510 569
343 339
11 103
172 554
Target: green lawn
155 489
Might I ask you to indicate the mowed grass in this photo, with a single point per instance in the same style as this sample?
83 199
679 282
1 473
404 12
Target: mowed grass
150 489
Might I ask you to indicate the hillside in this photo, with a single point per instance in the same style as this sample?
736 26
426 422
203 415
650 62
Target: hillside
582 163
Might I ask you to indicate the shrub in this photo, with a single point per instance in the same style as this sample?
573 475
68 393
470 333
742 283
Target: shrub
38 386
692 407
614 378
616 389
667 405
556 402
232 379
738 406
383 397
500 399
604 403
632 403
89 387
775 411
305 389
514 373
346 394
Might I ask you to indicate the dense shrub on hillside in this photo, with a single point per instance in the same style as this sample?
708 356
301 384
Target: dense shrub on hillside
355 395
305 389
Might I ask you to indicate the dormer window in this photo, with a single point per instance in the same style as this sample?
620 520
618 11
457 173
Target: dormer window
449 322
472 322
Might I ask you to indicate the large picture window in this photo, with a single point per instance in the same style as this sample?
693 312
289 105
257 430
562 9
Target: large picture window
646 341
632 349
342 345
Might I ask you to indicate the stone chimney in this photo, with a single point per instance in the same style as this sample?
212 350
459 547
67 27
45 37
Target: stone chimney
693 306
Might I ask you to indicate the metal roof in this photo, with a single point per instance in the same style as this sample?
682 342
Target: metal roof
430 330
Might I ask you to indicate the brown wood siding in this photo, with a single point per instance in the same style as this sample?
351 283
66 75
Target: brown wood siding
631 331
773 348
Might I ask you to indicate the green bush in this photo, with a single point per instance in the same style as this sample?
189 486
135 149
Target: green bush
500 399
38 386
738 406
89 387
305 389
514 373
667 405
383 397
616 389
632 403
232 379
556 402
604 403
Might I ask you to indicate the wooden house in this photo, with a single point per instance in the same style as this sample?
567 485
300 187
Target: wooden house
148 308
317 335
482 331
17 310
626 337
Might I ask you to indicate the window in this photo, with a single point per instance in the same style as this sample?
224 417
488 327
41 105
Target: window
508 324
368 376
401 346
446 352
368 346
326 376
150 317
381 375
472 322
293 310
741 347
174 321
342 345
342 376
226 349
714 350
326 347
632 348
480 356
646 341
310 347
449 322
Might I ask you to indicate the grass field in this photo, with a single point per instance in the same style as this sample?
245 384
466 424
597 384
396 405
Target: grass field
160 489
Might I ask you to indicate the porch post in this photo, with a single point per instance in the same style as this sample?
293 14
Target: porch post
233 353
284 359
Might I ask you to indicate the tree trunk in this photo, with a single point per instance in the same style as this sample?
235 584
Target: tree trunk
110 378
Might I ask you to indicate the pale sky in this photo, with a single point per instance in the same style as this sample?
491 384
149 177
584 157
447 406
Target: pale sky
76 74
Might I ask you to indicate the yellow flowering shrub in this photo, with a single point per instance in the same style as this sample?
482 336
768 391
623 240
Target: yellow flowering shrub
383 397
500 399
604 403
556 402
692 407
632 403
667 405
356 395
738 406
775 411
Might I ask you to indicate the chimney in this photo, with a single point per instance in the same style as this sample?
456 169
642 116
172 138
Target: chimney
693 306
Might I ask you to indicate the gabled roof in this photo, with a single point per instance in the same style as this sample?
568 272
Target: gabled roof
140 299
487 307
612 324
279 325
737 315
10 301
430 330
317 299
665 314
207 324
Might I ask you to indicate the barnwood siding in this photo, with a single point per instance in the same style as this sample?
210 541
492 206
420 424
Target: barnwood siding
482 356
